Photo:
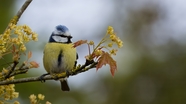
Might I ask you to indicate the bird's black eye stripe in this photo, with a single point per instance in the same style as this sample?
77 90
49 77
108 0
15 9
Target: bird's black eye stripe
61 35
60 58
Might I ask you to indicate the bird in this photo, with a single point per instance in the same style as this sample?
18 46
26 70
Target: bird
59 55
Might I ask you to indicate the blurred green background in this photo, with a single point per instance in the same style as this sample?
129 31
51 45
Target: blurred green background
151 65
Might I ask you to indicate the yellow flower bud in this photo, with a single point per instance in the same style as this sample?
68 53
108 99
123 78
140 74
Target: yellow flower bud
91 43
98 52
48 102
113 38
110 45
34 37
113 51
16 102
41 97
120 44
15 94
33 99
23 48
110 30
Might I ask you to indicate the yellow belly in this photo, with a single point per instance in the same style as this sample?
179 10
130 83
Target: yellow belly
51 54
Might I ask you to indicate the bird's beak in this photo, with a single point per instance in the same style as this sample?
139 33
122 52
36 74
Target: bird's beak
69 36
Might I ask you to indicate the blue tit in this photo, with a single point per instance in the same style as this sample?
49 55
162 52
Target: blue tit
59 54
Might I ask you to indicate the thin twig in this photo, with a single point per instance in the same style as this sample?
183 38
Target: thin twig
23 8
83 68
19 72
11 70
93 65
22 65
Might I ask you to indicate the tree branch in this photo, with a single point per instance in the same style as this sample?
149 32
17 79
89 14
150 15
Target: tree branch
20 12
88 65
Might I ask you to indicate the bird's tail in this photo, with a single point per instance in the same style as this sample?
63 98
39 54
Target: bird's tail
64 85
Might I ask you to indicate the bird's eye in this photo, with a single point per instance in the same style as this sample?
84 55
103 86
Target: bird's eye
59 39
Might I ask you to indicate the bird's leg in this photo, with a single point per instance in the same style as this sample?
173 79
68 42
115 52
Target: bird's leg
42 77
67 73
75 64
55 76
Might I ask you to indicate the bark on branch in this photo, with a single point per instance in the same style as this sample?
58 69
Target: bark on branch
88 65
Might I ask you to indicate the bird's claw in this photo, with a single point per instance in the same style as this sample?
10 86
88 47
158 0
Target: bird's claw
67 73
42 77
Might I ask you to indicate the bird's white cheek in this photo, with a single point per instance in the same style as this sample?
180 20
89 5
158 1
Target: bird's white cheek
59 39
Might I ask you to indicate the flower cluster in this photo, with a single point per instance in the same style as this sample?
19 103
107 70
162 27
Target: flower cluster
15 36
114 38
102 53
98 53
111 38
12 41
7 92
33 99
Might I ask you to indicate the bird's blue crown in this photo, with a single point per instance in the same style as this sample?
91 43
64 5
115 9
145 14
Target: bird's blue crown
62 28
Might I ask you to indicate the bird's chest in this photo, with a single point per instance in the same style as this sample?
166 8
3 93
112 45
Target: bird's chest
59 58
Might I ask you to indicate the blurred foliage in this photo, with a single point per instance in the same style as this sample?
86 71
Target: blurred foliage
158 72
157 75
153 81
6 12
